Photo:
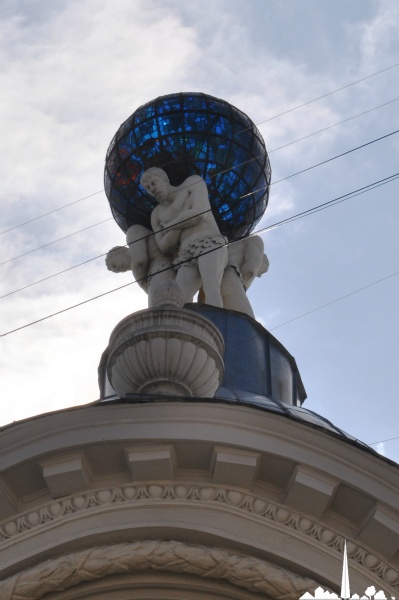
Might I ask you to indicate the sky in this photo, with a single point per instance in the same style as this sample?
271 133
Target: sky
72 71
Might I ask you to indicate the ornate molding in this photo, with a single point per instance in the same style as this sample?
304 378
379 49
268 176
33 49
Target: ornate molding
242 502
166 351
97 563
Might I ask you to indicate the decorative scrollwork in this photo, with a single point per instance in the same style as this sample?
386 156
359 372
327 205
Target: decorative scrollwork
237 500
100 562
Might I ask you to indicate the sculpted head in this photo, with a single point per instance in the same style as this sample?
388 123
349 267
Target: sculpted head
156 182
118 260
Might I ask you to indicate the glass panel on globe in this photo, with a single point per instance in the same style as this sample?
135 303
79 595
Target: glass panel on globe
190 134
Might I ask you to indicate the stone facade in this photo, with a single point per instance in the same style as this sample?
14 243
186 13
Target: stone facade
194 500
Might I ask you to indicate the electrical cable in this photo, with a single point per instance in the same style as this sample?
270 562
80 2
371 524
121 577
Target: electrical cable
208 210
273 150
328 94
323 162
305 137
90 260
211 250
55 241
257 124
309 312
161 271
50 212
333 202
383 441
269 152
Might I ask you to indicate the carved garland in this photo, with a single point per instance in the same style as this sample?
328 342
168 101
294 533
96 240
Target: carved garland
97 563
61 509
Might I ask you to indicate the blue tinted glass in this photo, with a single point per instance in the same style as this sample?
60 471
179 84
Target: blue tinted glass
194 101
185 134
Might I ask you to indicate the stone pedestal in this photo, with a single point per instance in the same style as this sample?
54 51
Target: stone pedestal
167 351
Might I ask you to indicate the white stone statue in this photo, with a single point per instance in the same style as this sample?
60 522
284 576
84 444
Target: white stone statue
187 253
153 271
246 260
186 230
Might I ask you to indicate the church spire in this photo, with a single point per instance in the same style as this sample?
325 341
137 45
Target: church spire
345 588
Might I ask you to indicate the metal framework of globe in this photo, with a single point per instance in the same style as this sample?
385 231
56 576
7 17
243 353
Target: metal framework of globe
186 134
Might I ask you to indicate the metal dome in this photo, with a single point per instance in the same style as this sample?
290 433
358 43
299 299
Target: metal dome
186 134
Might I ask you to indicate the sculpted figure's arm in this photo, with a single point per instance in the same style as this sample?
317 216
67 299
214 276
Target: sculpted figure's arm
196 207
252 260
137 240
167 239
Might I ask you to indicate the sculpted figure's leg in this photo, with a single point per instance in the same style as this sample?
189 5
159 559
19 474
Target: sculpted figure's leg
136 238
211 267
233 293
161 270
189 281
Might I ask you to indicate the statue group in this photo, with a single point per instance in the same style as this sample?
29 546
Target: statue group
185 249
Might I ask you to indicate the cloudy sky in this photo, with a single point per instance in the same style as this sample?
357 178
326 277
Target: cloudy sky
72 71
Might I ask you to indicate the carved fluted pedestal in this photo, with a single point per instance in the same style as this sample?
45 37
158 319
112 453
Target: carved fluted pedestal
166 351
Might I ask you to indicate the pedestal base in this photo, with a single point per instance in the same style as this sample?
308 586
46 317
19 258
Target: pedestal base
166 351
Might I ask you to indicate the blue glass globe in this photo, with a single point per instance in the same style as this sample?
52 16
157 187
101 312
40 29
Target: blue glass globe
187 134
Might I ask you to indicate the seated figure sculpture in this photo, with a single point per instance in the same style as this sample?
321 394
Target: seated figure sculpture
186 230
246 260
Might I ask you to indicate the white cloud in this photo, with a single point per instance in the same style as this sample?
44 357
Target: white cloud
379 36
73 71
380 448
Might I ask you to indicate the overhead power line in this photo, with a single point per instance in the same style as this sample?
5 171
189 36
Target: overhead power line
383 441
285 112
212 250
50 212
260 123
323 162
269 152
305 137
243 196
65 237
288 220
330 203
309 312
